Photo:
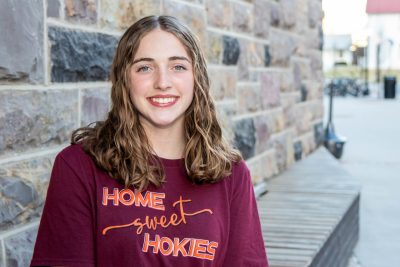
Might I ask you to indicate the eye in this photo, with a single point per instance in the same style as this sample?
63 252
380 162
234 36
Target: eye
179 68
143 69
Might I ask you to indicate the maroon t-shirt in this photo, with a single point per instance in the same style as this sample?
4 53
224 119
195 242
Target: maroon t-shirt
90 219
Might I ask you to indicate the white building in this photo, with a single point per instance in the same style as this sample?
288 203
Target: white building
383 34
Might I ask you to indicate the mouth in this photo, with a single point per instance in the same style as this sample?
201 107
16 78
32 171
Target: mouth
163 101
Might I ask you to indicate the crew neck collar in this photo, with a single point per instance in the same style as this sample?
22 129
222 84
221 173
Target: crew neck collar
172 162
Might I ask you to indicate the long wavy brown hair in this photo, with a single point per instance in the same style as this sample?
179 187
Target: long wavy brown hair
119 144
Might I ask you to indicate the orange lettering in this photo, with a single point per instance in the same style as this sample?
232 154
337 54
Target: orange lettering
180 246
199 249
126 202
168 251
211 250
157 201
113 197
148 243
140 201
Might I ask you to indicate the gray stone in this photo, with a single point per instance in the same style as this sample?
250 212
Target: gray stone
21 191
282 152
121 14
319 133
298 150
95 105
267 56
245 137
33 119
80 56
304 92
289 13
19 248
9 212
243 62
219 13
282 47
53 8
270 89
242 15
314 13
262 18
21 45
193 16
231 50
81 10
32 173
275 15
263 133
249 98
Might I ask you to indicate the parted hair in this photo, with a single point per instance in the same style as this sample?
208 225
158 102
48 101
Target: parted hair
119 144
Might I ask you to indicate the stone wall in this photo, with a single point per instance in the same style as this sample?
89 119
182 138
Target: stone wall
265 65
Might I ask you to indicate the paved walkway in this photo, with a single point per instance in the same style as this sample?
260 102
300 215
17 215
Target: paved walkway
372 155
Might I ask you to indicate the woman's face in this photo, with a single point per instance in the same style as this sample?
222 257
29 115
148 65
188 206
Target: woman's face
161 80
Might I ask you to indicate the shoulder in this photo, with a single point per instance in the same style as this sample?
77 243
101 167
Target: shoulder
74 155
239 169
240 175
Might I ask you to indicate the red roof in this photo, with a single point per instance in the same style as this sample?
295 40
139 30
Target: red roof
383 6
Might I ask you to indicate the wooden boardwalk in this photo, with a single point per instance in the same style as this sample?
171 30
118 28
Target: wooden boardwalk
309 215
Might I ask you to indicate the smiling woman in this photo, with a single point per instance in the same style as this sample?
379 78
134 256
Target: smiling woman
157 164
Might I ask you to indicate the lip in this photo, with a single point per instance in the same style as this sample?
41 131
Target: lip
163 105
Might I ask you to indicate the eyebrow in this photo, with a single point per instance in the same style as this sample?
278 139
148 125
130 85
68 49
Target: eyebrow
152 59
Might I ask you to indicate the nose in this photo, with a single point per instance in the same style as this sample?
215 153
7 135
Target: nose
162 81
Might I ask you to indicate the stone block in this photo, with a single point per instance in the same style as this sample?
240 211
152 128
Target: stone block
267 56
289 13
19 247
304 117
53 8
248 98
225 112
32 119
263 125
21 52
81 11
219 14
194 17
214 48
298 150
287 81
232 50
223 83
95 105
243 19
315 57
245 138
23 187
303 92
80 56
262 18
283 146
255 53
270 89
275 14
263 167
289 101
121 14
243 64
282 45
318 133
314 13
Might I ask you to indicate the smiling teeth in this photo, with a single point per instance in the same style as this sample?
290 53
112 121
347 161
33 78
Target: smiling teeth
163 100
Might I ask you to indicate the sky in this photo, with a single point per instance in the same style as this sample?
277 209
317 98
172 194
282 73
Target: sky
344 16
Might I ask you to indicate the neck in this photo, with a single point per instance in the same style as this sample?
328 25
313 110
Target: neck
168 142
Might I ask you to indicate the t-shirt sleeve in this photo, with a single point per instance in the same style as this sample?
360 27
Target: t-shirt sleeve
246 244
66 231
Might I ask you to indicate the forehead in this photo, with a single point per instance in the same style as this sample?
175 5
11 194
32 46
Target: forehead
160 44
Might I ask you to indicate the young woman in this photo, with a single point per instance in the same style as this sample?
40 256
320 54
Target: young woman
155 184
